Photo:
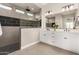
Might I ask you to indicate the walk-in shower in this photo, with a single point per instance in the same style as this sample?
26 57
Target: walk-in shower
9 34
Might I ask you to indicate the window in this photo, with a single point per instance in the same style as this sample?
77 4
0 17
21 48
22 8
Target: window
5 7
69 25
29 14
19 11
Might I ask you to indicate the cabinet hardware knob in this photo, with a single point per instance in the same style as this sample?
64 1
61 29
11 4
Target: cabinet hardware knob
52 33
65 38
44 35
52 36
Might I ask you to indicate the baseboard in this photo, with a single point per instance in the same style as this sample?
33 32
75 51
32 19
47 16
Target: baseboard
26 46
60 47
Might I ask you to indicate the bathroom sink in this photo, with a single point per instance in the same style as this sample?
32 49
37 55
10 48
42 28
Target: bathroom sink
74 30
59 30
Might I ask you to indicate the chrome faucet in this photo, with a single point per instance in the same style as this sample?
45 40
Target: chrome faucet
66 30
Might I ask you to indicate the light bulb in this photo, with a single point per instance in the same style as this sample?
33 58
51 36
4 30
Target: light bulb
67 8
63 9
71 7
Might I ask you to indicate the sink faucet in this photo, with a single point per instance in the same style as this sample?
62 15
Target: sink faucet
66 30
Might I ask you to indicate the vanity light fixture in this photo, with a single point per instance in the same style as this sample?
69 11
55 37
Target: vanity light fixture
48 12
19 11
5 7
68 7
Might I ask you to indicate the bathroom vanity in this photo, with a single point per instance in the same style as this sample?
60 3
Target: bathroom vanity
65 40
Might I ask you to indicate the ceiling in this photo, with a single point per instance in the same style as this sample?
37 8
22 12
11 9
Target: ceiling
33 7
41 4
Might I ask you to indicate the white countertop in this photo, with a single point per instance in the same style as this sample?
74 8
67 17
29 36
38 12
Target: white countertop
64 30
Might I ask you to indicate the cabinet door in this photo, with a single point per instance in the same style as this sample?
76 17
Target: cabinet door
59 39
62 40
44 35
66 42
51 36
74 42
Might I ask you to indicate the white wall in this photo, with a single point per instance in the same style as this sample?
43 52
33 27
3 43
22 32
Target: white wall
43 21
29 36
59 21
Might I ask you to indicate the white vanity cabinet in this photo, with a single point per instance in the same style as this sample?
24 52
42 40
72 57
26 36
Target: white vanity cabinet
61 39
47 36
68 41
43 35
74 41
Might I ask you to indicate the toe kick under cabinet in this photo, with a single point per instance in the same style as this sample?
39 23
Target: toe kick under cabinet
64 40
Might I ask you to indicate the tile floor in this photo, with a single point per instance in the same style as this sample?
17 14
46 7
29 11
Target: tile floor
42 49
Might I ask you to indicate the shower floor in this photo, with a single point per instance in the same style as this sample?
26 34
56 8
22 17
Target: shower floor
9 49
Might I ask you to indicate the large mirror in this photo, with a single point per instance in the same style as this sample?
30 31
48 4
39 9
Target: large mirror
63 21
68 21
50 22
